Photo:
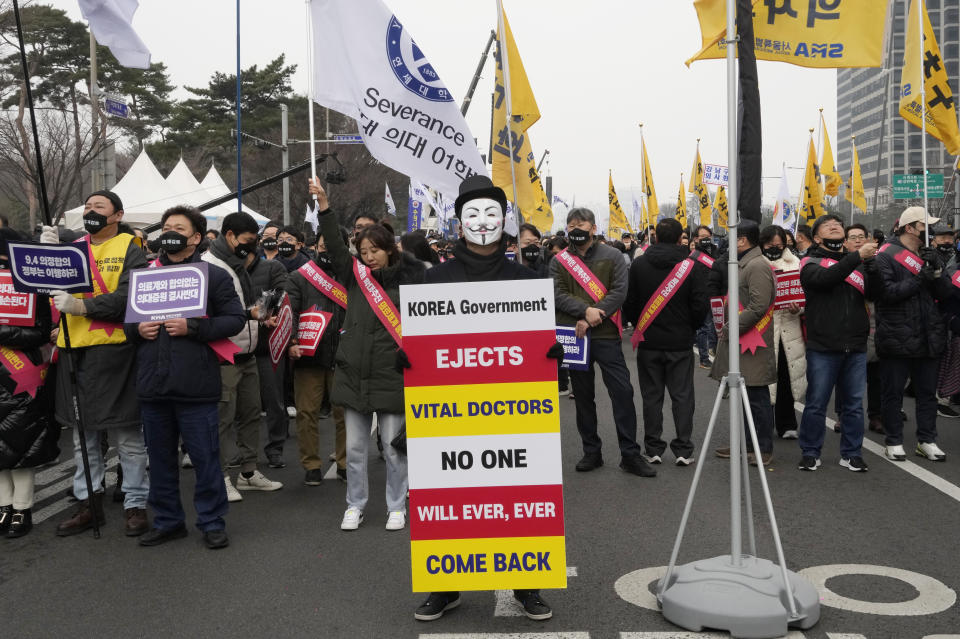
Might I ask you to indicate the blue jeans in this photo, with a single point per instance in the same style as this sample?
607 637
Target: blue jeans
848 372
706 339
164 424
133 461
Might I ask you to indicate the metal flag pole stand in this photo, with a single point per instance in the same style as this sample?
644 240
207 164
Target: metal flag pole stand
81 434
739 592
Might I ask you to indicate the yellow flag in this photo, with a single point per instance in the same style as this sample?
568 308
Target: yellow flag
854 191
812 197
720 203
940 111
697 186
530 197
618 220
814 33
653 209
681 215
827 168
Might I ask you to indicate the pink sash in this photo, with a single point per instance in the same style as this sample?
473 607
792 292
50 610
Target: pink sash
326 285
27 375
586 279
703 258
855 279
661 297
955 279
903 257
378 300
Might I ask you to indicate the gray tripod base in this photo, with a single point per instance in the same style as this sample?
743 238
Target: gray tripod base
748 596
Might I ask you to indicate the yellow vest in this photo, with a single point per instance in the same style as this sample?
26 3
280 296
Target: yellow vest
109 258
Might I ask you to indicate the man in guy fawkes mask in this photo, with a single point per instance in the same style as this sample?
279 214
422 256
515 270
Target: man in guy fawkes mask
481 256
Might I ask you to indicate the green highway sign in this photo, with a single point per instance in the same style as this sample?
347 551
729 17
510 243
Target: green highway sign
910 187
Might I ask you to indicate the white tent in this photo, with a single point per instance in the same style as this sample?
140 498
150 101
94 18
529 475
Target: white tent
182 181
144 192
215 185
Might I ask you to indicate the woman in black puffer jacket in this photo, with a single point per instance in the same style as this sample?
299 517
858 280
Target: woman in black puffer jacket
28 432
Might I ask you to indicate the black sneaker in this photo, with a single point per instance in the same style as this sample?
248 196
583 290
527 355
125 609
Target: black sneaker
437 604
808 463
157 536
313 477
589 462
342 474
533 606
944 410
856 464
276 461
636 466
216 539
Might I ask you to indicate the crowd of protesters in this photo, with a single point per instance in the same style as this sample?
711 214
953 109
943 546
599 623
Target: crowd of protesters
880 317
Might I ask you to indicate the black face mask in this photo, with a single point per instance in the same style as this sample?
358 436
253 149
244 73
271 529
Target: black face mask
286 249
269 244
324 260
707 247
243 250
946 251
173 242
772 253
94 222
530 253
578 237
833 245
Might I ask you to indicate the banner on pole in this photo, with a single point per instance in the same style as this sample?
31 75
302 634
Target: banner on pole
167 292
483 436
43 268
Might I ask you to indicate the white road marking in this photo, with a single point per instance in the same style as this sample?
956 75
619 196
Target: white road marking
63 504
633 587
508 635
933 596
507 606
844 635
924 475
793 634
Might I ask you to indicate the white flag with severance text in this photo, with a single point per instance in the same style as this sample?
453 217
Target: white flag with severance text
388 200
368 66
111 22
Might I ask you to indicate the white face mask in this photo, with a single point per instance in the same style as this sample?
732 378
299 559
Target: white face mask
482 221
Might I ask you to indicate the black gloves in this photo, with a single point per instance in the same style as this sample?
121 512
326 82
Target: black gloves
556 352
402 361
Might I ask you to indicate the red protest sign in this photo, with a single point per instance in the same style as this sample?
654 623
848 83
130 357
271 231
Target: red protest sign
313 324
280 335
789 290
717 310
16 309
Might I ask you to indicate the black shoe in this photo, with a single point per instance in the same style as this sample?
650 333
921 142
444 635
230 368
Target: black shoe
437 604
944 410
214 539
313 477
636 466
276 461
588 463
533 606
808 463
324 413
20 524
856 464
6 515
342 474
157 536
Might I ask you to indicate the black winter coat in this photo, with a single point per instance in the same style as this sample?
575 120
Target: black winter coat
675 328
303 296
909 322
266 275
29 434
836 313
467 266
186 369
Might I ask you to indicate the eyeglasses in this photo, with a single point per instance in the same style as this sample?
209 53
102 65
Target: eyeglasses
856 237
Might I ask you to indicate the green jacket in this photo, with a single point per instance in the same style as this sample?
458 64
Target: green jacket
366 379
572 300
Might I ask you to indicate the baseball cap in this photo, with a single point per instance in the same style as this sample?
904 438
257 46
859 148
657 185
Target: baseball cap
916 214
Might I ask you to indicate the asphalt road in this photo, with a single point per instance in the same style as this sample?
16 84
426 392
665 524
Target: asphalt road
291 572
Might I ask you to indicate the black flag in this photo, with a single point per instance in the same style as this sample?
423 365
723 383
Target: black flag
748 113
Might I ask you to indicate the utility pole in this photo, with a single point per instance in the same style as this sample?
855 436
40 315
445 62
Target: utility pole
285 159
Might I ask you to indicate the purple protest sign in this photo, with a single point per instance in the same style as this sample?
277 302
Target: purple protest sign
42 268
576 350
167 292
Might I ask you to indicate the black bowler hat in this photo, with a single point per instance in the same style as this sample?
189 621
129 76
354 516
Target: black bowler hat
476 187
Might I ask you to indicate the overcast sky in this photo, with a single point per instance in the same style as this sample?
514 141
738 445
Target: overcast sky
597 69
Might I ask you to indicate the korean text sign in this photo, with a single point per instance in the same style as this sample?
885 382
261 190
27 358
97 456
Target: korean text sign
42 268
167 292
483 436
789 290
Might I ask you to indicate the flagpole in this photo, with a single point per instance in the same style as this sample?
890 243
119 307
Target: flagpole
505 61
643 180
239 122
310 62
853 154
921 12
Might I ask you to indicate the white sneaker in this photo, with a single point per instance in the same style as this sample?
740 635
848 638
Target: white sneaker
257 482
232 494
931 451
396 520
685 461
186 462
652 459
896 453
352 519
291 412
789 434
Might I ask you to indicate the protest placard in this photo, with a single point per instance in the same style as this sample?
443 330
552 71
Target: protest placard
43 268
167 292
280 335
576 350
16 309
789 290
310 329
483 436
